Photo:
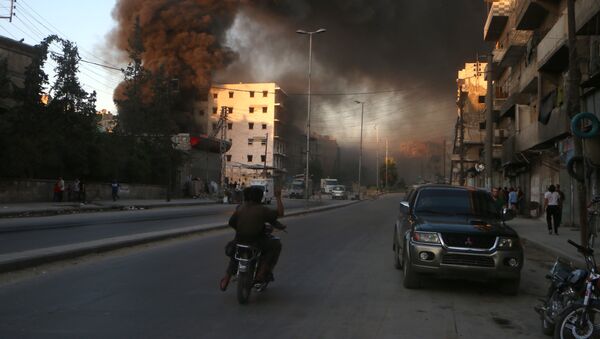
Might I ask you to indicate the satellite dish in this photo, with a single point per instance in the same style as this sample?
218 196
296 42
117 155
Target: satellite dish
480 167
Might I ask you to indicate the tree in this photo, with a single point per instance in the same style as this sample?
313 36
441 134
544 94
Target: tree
392 173
132 113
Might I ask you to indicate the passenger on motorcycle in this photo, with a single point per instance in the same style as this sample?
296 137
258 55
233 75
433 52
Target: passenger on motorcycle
249 221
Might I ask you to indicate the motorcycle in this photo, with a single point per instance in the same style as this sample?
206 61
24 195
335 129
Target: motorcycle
566 285
248 257
581 319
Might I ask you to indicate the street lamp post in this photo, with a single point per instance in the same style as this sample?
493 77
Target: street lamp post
362 113
307 176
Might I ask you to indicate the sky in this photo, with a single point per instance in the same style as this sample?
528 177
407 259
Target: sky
412 47
84 22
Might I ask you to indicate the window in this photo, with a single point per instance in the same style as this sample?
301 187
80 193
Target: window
250 141
263 158
481 99
230 94
249 158
229 157
252 94
264 109
230 126
215 95
250 125
251 109
265 94
214 110
264 126
230 110
263 142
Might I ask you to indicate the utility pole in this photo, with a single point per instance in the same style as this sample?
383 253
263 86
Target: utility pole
462 95
362 113
573 108
223 147
489 125
386 163
310 37
444 159
265 162
11 12
377 158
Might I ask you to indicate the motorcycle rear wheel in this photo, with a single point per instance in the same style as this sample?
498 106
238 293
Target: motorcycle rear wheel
244 287
567 324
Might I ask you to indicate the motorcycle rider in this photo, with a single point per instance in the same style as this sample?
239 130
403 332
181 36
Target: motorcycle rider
249 220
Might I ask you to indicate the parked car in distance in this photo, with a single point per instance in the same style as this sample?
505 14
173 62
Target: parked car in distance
456 232
339 192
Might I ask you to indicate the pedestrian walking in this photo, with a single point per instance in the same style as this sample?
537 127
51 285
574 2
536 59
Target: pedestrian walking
551 205
75 190
61 189
498 200
560 203
115 190
520 199
56 191
513 200
82 192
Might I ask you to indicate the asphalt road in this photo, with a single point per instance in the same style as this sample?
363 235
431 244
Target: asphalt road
21 234
335 280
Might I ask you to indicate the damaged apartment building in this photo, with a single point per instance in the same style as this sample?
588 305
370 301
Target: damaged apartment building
530 77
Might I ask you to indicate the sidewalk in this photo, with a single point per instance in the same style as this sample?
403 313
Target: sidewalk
53 208
535 232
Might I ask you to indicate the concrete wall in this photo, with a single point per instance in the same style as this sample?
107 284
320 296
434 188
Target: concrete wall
14 191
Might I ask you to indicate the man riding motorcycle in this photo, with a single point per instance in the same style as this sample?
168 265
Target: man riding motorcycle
249 220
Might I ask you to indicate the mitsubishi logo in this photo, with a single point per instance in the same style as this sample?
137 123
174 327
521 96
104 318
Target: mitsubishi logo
469 242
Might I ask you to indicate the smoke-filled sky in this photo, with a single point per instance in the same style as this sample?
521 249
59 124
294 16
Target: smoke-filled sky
406 51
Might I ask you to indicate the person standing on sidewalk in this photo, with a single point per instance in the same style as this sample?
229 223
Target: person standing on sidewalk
552 207
513 200
115 190
61 189
560 203
75 190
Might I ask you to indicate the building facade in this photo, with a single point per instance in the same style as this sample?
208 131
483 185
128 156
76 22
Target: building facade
530 76
469 130
256 117
18 57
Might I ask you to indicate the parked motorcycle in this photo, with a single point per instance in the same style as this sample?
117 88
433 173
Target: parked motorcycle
581 319
566 285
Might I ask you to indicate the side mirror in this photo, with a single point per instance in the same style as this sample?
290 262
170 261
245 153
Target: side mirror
507 214
404 207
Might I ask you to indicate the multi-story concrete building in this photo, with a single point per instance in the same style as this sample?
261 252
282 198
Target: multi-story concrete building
107 122
469 139
17 56
530 74
255 121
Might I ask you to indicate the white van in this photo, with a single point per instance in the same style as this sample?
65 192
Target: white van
268 187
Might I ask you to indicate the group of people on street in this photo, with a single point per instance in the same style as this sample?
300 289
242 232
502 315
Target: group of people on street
75 191
553 203
511 198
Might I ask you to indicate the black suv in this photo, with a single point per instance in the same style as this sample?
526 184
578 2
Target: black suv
456 232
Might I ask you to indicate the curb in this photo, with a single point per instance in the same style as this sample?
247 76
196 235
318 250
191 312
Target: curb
97 208
27 259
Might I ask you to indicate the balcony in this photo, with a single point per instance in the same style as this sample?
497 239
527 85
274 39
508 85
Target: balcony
530 14
529 76
496 20
509 106
508 149
516 46
497 55
552 51
586 17
537 134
